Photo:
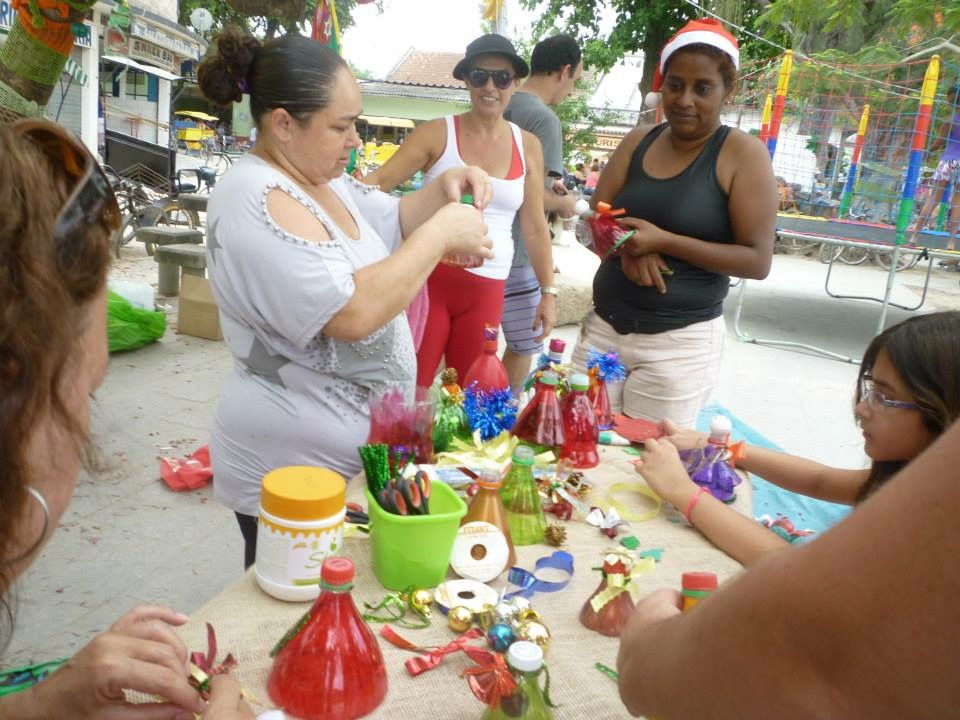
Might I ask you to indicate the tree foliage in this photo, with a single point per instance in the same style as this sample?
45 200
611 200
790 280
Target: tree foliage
265 24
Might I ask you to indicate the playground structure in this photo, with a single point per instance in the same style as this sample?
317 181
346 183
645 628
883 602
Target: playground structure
849 146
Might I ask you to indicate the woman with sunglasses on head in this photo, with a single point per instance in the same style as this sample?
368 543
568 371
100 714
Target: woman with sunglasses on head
57 213
908 393
311 269
462 300
701 200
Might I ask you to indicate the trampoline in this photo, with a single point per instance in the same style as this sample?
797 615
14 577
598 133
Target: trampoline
849 233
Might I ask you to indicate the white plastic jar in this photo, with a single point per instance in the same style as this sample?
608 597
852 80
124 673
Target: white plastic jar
301 522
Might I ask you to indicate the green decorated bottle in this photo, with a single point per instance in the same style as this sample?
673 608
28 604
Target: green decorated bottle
528 701
522 500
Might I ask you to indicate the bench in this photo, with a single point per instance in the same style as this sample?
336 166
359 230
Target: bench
192 201
171 258
167 235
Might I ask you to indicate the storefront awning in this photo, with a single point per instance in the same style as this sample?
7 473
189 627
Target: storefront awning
387 121
149 69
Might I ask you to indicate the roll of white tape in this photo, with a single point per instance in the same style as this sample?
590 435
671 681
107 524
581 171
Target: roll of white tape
480 551
468 593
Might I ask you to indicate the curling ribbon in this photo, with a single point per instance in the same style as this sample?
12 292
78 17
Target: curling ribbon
622 509
494 454
618 583
434 656
395 606
205 662
530 584
491 679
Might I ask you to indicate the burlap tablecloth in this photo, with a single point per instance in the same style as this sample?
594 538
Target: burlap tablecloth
248 622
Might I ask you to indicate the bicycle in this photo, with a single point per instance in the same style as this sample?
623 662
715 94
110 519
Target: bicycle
141 204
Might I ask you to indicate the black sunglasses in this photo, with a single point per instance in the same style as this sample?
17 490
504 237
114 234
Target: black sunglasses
91 200
501 78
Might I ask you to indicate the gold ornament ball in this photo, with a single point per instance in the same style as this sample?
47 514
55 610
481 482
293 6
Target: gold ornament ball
420 601
460 618
487 617
535 632
529 614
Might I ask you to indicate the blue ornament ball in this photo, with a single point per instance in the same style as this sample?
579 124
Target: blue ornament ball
499 637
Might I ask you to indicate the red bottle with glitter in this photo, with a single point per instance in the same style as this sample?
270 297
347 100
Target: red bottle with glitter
601 402
541 422
332 666
580 426
487 370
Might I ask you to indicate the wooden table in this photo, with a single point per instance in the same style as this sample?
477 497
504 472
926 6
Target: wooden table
248 622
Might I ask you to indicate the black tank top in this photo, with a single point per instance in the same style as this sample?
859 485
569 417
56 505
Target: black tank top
692 204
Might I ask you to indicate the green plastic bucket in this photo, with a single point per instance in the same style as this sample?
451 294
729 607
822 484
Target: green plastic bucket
415 549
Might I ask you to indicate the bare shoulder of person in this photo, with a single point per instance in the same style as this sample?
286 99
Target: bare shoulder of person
295 218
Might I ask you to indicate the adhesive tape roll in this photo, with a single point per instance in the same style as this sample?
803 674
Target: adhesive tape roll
468 593
480 551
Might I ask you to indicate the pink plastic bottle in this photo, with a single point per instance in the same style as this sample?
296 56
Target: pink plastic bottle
541 422
332 668
580 426
487 370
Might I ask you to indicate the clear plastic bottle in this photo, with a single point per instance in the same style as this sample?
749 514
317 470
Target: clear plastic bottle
580 425
527 702
332 666
522 500
601 404
487 370
541 422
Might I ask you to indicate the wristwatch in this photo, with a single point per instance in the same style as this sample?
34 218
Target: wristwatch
549 290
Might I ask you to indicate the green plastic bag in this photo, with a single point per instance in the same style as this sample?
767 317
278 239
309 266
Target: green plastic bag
128 327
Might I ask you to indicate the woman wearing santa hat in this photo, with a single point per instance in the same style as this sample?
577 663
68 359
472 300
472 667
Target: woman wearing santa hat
702 200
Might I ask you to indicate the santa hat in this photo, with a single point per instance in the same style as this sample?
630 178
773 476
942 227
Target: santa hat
706 32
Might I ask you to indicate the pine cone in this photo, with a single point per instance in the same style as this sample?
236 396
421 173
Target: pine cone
448 376
555 534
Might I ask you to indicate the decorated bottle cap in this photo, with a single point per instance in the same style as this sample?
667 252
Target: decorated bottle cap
337 570
525 656
699 581
301 492
490 332
466 199
549 378
579 381
557 345
523 455
490 479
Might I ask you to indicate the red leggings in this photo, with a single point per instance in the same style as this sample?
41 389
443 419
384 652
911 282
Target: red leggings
461 303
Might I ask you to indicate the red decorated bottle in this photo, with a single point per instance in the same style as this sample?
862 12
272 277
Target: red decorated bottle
610 607
332 666
541 422
601 401
487 370
580 425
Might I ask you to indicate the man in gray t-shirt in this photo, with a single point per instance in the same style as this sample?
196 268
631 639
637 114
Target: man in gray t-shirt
555 66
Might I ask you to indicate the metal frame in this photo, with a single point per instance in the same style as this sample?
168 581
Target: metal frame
928 254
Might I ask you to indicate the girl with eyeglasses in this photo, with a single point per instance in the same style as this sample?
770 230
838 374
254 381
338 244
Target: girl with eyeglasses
449 317
907 394
57 213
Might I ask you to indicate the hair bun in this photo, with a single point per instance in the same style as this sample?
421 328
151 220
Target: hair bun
222 77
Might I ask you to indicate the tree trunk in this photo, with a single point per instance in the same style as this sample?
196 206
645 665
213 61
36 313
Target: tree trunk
729 10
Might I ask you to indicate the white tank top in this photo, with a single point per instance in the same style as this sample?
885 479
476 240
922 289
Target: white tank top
499 214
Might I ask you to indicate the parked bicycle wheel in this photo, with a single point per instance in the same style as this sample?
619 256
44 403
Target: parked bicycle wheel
847 254
905 261
795 246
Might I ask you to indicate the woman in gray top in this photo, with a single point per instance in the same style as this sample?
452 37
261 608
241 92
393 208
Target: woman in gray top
312 270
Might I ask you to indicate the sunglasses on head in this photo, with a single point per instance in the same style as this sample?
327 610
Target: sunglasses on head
91 200
501 78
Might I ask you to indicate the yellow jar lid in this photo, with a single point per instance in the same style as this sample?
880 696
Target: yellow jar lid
303 493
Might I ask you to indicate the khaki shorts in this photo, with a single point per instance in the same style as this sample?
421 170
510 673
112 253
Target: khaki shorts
669 374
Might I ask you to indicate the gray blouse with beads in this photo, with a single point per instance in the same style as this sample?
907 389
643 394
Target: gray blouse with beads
295 396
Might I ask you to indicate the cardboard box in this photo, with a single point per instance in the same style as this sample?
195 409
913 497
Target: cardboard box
198 314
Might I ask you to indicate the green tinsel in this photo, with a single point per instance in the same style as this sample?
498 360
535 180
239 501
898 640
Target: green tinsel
376 466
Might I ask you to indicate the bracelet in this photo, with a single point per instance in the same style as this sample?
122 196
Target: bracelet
549 290
695 498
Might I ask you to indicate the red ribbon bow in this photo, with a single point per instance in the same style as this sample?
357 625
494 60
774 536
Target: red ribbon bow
205 662
434 656
491 679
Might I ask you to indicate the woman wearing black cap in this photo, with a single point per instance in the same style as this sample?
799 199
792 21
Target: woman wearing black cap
463 300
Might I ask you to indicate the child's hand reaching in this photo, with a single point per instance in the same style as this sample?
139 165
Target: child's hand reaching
660 466
682 438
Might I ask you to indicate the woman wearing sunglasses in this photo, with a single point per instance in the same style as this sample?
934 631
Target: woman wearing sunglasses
57 213
311 269
907 394
462 300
